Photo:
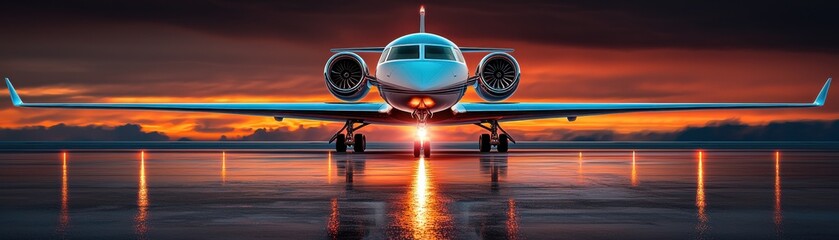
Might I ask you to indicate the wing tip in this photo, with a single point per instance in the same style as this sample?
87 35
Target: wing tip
822 97
13 94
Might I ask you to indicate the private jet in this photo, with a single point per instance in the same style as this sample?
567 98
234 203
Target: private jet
421 78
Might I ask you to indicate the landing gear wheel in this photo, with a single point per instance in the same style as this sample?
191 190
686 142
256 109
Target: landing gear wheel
503 143
417 146
341 143
483 143
426 149
360 143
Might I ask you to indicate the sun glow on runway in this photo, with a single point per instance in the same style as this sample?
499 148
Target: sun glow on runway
64 214
425 216
702 217
141 219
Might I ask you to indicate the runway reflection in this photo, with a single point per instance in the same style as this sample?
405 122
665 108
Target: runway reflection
702 218
387 195
349 167
495 166
334 221
778 213
512 220
580 178
424 215
141 218
634 175
329 167
223 168
64 213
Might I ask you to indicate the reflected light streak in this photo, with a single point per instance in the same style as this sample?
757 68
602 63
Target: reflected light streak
512 220
64 214
425 213
329 167
223 167
778 214
702 224
580 167
634 176
334 221
141 226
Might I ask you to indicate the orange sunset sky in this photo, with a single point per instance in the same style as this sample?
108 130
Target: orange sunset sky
274 52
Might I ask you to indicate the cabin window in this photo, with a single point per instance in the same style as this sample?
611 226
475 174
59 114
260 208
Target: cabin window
404 52
439 52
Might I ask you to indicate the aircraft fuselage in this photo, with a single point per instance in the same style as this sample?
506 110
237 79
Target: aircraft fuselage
422 71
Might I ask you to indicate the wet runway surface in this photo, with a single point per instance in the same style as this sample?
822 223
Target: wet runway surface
535 194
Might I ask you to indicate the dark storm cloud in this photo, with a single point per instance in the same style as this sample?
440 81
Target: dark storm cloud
285 134
209 125
727 130
61 132
733 130
788 25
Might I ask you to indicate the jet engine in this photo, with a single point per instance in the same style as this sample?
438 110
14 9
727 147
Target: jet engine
346 76
498 77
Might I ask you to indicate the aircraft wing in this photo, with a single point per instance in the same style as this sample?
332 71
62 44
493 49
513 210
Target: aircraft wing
473 112
316 111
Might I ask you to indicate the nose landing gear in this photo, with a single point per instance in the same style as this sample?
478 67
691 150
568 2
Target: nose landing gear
421 141
357 141
500 141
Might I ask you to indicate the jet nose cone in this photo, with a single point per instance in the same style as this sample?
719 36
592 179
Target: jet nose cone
427 76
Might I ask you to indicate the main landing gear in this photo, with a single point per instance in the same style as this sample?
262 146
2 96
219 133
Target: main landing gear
358 141
500 141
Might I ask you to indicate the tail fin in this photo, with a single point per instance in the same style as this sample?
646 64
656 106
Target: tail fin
422 19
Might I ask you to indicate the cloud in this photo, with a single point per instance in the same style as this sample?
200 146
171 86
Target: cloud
61 132
286 134
734 130
726 130
789 25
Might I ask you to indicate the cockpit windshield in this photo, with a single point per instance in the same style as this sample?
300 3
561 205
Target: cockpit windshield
404 52
439 52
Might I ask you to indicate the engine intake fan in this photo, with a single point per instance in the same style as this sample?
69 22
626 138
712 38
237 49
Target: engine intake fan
346 76
498 77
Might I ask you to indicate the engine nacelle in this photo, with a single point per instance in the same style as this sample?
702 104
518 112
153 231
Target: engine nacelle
346 76
498 77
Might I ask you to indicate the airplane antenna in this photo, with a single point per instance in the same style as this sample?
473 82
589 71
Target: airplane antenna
422 19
